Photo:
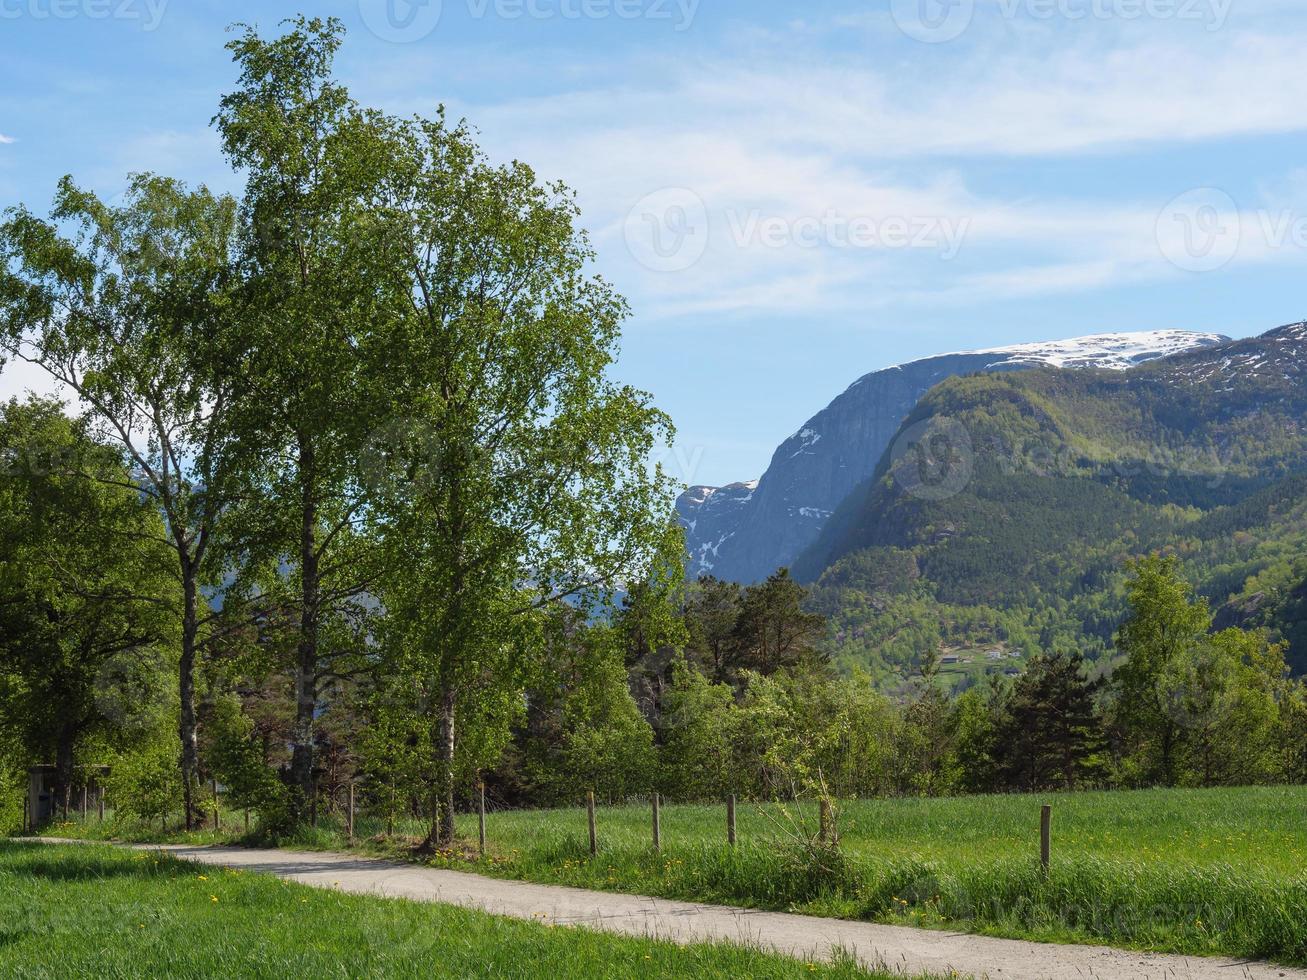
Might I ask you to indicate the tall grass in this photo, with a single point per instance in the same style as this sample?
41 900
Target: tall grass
1192 871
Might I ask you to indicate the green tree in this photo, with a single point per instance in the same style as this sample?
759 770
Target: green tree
653 634
146 784
1225 698
926 758
317 365
712 612
1164 628
773 630
699 730
801 733
128 308
606 744
236 758
85 639
977 740
533 484
1292 737
1049 735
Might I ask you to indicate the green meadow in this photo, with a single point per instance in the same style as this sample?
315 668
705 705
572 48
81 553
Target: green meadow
81 910
1216 871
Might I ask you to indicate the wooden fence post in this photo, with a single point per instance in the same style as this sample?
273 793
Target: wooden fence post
1045 836
85 791
730 820
824 820
657 824
350 825
590 817
99 801
481 817
27 814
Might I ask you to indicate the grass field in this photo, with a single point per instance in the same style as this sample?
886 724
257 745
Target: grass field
1193 871
85 911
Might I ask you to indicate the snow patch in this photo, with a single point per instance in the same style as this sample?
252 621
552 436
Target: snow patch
816 513
1108 351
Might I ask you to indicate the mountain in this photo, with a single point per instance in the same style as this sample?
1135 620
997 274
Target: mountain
745 531
1001 519
711 517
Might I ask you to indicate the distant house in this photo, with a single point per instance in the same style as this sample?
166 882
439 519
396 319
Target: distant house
950 658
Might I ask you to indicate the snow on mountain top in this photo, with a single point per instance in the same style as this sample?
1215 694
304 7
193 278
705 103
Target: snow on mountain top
698 496
1293 331
1111 351
1275 355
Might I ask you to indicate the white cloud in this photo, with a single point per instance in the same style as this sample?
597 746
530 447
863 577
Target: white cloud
6 140
814 134
1011 101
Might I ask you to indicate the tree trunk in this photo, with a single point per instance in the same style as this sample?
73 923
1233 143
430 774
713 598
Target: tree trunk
190 756
63 769
1168 752
442 816
306 667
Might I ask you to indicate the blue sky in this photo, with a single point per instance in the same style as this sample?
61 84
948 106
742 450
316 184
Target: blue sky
790 195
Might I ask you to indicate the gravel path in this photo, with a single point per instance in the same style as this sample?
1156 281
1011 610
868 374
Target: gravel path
903 950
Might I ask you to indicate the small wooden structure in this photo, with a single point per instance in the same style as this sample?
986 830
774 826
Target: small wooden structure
42 805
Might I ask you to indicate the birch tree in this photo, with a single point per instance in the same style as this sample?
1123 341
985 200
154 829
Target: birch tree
127 307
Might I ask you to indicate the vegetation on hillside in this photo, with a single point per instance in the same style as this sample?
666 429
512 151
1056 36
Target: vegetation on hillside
1006 514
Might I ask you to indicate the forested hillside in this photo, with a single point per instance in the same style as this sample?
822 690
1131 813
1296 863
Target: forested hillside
1000 519
745 531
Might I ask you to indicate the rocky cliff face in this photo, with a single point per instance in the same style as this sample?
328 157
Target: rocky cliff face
745 531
